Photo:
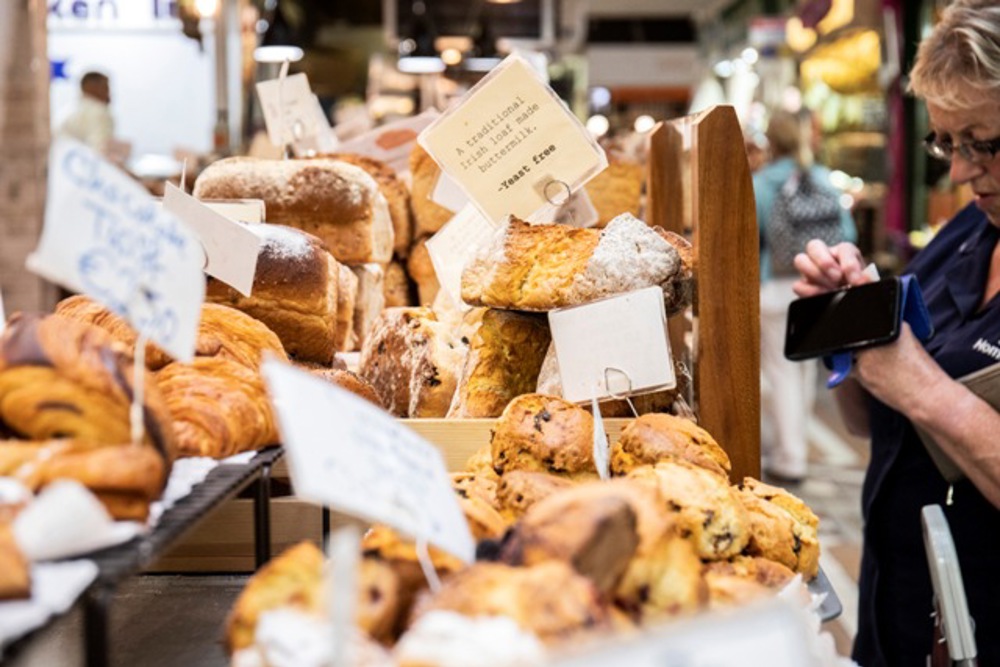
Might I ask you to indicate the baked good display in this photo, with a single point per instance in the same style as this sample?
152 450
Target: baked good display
295 293
421 270
396 286
350 381
338 202
396 194
413 362
219 407
15 571
544 434
707 508
656 437
370 300
347 296
481 485
518 490
222 332
782 527
485 522
616 190
544 267
549 599
742 579
504 357
428 216
447 639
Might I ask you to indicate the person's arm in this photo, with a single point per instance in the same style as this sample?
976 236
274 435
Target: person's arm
903 376
852 403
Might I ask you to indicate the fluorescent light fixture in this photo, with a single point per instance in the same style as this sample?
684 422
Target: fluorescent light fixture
277 54
420 65
481 64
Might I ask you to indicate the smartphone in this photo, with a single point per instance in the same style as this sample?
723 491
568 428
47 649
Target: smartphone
849 319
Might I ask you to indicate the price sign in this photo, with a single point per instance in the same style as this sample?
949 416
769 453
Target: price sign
392 142
373 468
105 236
232 248
456 244
613 347
290 110
512 144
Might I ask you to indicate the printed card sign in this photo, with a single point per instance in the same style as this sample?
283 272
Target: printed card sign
231 248
369 466
106 237
392 142
449 194
512 144
613 347
290 109
456 244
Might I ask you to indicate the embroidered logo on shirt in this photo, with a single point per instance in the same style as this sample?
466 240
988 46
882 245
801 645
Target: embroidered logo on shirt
987 348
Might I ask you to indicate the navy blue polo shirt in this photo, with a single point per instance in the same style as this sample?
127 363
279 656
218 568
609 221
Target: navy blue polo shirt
896 596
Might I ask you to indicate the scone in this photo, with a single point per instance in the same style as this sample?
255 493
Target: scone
707 508
540 433
742 579
782 527
518 490
656 437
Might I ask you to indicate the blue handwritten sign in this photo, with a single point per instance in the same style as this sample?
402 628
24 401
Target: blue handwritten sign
105 236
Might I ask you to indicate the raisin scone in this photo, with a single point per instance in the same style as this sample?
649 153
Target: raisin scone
656 437
782 527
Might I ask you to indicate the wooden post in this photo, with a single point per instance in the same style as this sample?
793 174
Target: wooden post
700 186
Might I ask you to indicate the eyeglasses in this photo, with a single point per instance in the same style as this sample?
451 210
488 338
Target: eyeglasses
976 152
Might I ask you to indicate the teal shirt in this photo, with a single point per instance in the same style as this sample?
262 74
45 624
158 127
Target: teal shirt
766 184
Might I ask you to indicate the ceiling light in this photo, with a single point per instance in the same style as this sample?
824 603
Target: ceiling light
481 64
277 54
598 125
600 97
723 69
750 55
451 57
644 123
420 65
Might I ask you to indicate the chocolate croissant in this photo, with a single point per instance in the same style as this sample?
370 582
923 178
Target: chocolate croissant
219 407
222 332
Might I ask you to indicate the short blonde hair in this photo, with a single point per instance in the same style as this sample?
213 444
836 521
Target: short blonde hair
958 64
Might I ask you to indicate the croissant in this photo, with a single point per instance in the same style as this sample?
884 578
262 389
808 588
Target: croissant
222 332
63 379
219 407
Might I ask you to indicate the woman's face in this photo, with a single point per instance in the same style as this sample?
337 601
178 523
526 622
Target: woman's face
981 123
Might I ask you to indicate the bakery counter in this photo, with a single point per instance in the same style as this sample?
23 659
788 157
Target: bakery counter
119 563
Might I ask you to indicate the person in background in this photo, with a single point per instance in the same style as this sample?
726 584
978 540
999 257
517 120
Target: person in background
789 386
895 388
92 122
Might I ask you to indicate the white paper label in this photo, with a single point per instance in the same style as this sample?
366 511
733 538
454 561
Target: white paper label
392 142
342 586
512 144
232 249
238 210
447 193
106 237
456 244
289 109
369 465
322 141
613 347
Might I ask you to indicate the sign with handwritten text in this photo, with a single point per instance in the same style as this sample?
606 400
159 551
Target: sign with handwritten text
512 144
613 347
105 236
289 108
231 247
373 467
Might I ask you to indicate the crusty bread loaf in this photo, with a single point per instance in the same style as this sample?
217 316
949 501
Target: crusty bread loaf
543 267
428 216
350 381
347 296
413 362
395 192
616 190
370 299
295 292
505 355
336 201
396 286
421 270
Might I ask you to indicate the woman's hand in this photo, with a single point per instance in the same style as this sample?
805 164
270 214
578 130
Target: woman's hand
826 268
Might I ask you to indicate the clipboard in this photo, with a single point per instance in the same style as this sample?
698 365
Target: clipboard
984 383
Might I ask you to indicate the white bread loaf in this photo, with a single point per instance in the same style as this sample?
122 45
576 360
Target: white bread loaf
370 300
338 202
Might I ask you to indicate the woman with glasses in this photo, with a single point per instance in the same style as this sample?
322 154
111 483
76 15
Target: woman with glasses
897 388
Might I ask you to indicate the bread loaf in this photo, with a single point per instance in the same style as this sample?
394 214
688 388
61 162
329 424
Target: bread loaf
396 194
336 201
543 267
370 299
345 339
428 216
616 190
350 381
295 292
504 357
397 286
421 269
413 362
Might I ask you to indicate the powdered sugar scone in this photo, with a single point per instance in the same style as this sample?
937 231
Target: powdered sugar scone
543 267
448 639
